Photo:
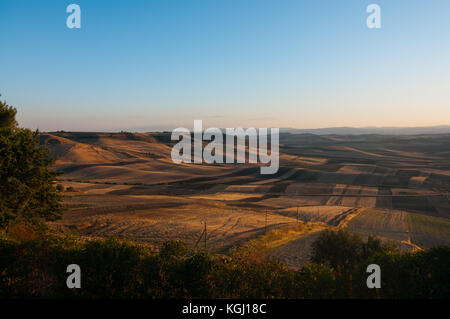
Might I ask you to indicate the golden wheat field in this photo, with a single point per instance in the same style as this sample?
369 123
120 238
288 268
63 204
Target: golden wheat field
125 185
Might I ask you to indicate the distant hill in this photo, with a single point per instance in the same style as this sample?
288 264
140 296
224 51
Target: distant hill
344 130
441 129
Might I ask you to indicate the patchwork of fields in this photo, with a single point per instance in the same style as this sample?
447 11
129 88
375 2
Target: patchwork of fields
125 184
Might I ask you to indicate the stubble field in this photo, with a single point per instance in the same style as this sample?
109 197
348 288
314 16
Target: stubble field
125 184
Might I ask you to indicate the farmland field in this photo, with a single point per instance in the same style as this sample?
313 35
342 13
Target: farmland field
126 185
428 231
385 223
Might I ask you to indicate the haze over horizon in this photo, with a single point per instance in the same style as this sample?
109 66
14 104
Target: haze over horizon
345 130
230 63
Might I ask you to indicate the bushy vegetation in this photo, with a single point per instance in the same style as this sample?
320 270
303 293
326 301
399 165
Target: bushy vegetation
27 189
34 265
344 251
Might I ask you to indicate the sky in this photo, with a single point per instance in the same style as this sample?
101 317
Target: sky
159 64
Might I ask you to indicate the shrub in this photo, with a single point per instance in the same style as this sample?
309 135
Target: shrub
36 267
340 249
343 250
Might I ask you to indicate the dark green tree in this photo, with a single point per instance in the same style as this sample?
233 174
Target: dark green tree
27 187
7 116
340 249
343 250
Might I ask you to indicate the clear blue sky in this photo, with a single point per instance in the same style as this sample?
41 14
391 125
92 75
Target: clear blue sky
236 63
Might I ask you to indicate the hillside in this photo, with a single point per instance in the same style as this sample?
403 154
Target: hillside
126 185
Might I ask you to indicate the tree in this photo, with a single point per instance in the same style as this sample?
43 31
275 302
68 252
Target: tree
7 116
344 251
27 188
340 249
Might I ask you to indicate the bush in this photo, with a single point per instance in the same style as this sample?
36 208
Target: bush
27 188
343 250
36 267
340 249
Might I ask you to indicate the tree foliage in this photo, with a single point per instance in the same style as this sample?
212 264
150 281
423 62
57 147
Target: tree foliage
344 250
36 267
7 116
27 188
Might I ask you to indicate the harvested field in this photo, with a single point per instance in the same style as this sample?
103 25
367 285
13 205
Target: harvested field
372 179
337 178
155 219
414 204
323 214
281 202
228 196
356 169
385 223
296 253
384 201
428 231
309 188
354 200
248 188
125 184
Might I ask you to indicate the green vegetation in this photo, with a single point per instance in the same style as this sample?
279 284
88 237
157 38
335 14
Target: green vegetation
34 262
428 231
7 116
27 188
344 251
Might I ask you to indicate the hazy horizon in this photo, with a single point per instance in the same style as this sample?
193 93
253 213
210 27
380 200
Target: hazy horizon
229 63
382 130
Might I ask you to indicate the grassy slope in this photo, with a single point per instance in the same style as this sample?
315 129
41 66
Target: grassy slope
428 231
